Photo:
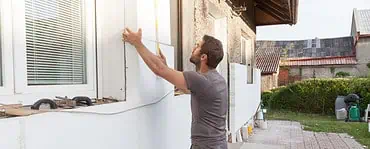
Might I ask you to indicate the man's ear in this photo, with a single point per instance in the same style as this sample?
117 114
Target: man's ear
204 57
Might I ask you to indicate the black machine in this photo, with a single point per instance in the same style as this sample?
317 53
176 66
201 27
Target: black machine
353 108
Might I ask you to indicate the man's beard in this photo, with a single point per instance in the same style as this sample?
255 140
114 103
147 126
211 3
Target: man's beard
195 60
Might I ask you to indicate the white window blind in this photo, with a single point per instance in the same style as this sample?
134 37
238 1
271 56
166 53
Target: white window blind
1 53
1 57
55 41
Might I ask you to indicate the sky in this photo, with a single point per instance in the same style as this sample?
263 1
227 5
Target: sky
316 18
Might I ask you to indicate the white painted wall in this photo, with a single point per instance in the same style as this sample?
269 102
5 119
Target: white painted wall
165 125
150 118
245 98
118 61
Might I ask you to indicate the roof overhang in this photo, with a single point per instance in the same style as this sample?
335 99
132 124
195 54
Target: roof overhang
319 61
272 12
364 35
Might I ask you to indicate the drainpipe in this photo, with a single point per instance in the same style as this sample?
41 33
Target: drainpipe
96 50
179 37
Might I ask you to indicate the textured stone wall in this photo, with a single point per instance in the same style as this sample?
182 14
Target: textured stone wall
322 71
293 74
363 55
269 81
197 22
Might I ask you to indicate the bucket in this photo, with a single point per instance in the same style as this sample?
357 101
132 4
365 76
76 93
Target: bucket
341 114
263 125
260 115
245 133
250 130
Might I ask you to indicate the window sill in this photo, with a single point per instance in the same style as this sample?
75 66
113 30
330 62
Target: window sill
179 92
100 109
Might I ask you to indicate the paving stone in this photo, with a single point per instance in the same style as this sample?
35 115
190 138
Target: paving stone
290 135
323 140
336 141
351 143
310 141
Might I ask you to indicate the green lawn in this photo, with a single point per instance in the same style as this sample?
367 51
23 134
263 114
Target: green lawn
320 123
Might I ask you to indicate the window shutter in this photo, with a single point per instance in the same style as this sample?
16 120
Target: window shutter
55 42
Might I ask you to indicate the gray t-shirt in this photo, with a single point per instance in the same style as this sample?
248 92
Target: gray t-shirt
209 107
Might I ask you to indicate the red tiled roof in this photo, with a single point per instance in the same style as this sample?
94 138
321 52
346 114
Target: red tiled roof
268 59
349 60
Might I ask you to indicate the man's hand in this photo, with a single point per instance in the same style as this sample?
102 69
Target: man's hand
156 63
132 37
162 57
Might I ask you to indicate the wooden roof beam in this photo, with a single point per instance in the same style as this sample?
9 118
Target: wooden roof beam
277 6
273 12
274 8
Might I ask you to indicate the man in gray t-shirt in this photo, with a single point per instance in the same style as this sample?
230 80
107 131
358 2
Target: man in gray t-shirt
209 107
208 88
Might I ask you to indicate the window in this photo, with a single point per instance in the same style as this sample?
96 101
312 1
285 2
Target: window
313 44
6 51
211 27
246 48
55 42
54 46
1 51
242 51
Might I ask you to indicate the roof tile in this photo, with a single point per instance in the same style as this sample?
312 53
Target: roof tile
319 61
268 59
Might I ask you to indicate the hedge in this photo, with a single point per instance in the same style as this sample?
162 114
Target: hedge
316 96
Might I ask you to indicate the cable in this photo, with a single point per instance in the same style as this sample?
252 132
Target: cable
119 112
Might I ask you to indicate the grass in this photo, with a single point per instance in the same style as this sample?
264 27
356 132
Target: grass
320 123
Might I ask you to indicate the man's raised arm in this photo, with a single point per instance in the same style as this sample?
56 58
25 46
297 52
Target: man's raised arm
156 63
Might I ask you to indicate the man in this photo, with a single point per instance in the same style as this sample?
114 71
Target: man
208 88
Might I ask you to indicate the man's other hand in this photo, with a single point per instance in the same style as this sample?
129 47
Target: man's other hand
134 38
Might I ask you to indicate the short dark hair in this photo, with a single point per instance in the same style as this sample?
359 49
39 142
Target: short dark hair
212 47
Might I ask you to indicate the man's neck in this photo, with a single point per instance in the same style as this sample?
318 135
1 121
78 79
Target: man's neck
202 69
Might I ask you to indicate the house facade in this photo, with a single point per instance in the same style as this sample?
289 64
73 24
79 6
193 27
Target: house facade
324 58
314 58
361 34
268 61
74 48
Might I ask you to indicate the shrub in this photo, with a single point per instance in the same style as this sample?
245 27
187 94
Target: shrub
316 96
266 96
342 74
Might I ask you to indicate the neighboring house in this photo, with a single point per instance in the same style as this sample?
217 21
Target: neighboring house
295 69
342 46
361 34
314 58
324 58
74 48
268 61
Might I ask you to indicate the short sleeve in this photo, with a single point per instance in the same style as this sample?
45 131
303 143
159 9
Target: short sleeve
195 81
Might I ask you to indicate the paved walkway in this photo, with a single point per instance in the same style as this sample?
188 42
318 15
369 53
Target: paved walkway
289 135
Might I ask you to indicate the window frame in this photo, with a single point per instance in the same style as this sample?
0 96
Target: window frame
251 67
6 39
20 62
243 52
